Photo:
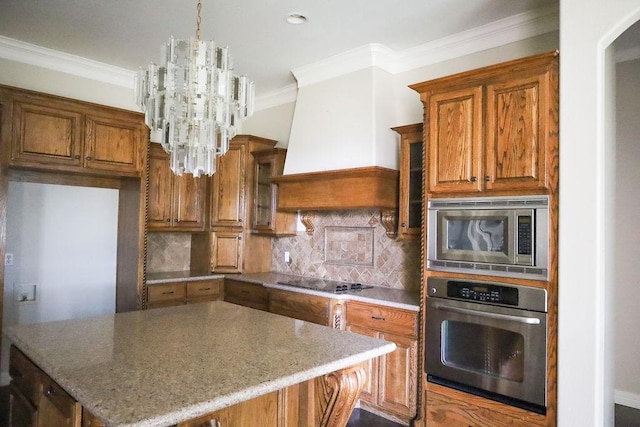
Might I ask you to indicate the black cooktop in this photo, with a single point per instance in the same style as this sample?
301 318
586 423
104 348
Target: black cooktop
326 285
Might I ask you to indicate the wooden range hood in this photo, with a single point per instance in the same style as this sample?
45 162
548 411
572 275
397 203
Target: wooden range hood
343 189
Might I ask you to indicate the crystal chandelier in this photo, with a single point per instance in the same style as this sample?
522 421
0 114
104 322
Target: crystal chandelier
193 103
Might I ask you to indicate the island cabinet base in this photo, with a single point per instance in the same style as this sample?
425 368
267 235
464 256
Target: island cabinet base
325 401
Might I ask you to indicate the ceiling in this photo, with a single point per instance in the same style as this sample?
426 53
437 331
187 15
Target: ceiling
128 34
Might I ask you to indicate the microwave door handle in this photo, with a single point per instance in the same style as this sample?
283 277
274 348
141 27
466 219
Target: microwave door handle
497 316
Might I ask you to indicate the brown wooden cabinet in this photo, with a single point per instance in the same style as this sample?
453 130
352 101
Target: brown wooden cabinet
392 387
247 294
59 134
310 308
234 249
35 399
266 218
493 129
411 171
175 202
179 293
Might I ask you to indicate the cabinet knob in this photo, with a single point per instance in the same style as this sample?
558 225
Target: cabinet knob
404 224
473 179
49 391
168 220
89 158
487 178
77 156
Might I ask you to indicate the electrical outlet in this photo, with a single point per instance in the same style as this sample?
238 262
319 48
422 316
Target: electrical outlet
287 257
8 258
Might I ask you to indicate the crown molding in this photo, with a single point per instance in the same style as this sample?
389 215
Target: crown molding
277 97
19 51
508 30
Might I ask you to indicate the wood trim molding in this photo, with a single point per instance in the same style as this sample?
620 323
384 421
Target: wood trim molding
389 220
336 395
306 218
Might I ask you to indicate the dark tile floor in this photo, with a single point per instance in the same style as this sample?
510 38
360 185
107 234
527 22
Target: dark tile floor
361 418
627 417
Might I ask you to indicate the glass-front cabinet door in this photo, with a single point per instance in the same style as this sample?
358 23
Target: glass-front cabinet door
411 171
266 218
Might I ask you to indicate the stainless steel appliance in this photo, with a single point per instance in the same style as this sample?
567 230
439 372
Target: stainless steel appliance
488 339
499 236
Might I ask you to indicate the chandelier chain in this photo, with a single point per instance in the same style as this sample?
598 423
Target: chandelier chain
198 20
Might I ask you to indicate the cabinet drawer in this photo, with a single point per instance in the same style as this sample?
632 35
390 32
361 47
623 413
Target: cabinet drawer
201 289
247 294
166 292
24 374
310 308
53 396
383 319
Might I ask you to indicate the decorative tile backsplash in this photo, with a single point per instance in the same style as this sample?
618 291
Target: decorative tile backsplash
168 252
350 245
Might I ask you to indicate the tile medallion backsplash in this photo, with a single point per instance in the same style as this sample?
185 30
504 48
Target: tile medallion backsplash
352 246
168 252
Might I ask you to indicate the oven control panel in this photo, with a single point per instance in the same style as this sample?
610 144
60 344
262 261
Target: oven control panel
490 293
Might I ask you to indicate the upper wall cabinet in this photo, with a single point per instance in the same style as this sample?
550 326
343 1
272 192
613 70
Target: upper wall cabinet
58 134
175 202
266 218
492 129
411 170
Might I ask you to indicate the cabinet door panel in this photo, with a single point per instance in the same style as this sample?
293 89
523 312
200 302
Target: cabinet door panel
228 206
160 182
112 144
44 133
22 413
398 376
454 140
515 148
56 408
411 171
370 388
189 196
226 251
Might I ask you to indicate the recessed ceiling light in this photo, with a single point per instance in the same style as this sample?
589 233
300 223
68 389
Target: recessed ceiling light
296 18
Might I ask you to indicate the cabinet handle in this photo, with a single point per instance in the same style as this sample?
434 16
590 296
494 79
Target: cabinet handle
377 318
473 179
205 289
168 292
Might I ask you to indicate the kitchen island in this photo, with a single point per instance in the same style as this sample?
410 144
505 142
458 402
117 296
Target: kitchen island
168 366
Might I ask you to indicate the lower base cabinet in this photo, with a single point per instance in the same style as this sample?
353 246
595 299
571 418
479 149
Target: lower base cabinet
35 400
180 293
391 387
447 407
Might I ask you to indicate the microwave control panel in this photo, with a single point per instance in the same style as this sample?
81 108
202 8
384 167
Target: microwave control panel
525 235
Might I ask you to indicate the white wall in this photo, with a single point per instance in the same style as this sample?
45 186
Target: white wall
40 79
587 155
67 250
627 314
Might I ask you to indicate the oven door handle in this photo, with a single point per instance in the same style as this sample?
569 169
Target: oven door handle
498 316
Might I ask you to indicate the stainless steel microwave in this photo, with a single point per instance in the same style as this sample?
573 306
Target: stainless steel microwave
498 236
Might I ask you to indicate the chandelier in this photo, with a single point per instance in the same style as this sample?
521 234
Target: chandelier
193 103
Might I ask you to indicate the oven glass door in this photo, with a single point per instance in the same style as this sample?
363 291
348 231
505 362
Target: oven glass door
488 348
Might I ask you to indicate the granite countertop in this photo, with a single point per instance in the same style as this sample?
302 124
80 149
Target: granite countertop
398 298
167 365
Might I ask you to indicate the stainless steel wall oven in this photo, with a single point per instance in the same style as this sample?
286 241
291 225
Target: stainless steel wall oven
488 339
